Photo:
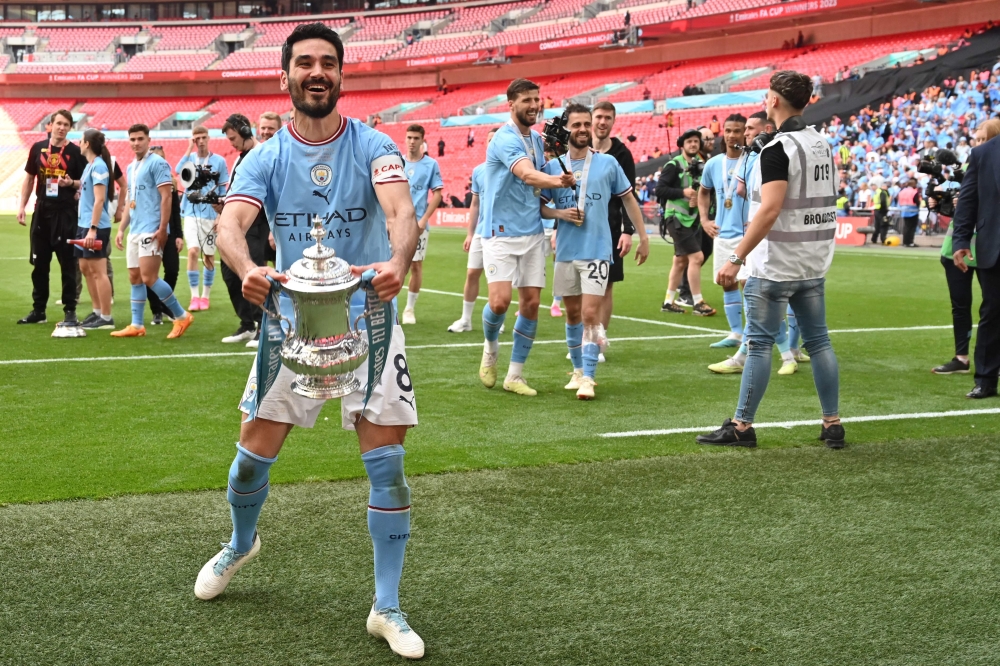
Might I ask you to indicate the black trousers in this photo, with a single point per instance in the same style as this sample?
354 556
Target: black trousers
910 229
988 338
960 291
248 313
171 266
881 225
50 228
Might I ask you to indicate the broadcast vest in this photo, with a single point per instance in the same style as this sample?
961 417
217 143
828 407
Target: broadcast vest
800 244
908 203
679 208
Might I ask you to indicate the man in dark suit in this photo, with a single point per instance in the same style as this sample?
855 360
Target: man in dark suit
978 211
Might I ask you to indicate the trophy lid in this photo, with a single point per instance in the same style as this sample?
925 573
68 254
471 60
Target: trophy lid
319 265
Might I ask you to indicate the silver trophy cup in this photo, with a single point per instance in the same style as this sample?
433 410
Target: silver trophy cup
321 347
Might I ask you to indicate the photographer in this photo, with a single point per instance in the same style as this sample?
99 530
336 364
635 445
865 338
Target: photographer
677 192
203 174
977 216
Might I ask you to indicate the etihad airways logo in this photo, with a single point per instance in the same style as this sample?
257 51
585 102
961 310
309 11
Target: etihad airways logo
346 216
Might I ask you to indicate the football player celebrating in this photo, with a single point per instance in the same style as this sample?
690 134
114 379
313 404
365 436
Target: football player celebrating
583 243
513 233
146 218
280 176
474 246
425 177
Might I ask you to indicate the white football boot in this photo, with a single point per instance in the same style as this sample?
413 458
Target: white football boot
218 571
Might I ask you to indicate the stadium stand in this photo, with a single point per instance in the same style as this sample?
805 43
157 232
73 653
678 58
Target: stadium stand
251 107
391 26
190 37
58 67
270 58
4 61
81 39
436 46
527 34
170 62
119 114
26 114
469 19
354 52
11 32
557 9
274 34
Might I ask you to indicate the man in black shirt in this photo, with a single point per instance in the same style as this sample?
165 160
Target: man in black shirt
621 226
57 165
237 130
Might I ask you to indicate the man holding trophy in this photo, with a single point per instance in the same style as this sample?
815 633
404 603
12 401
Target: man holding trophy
330 186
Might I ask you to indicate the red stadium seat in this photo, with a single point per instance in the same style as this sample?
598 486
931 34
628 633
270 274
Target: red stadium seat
170 62
119 114
190 37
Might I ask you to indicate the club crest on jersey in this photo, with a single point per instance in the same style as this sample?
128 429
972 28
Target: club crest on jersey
578 175
321 175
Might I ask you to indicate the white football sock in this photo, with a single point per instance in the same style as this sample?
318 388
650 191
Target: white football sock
515 370
740 358
671 295
467 307
411 299
491 346
787 356
697 298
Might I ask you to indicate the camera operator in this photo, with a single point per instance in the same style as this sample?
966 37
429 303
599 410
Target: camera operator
57 165
237 130
977 217
199 210
677 192
788 248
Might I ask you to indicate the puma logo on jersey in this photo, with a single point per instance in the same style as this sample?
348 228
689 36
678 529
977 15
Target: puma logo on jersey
325 196
408 401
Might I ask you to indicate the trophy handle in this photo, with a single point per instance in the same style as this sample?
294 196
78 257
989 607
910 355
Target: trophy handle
366 281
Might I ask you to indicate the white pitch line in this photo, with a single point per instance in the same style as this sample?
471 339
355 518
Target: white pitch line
794 424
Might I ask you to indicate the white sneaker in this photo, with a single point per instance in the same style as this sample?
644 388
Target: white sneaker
460 326
409 317
254 344
600 357
217 572
574 381
390 624
586 390
503 327
242 335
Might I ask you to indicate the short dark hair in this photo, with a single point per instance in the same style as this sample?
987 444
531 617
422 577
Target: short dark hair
577 108
735 118
794 87
518 86
306 31
760 115
64 113
417 129
139 127
605 105
234 122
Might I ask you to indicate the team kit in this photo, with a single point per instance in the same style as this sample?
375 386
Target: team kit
328 182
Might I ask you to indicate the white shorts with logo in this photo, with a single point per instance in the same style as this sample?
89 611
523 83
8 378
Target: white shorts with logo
722 248
548 243
516 259
198 232
141 245
475 253
580 276
392 402
422 245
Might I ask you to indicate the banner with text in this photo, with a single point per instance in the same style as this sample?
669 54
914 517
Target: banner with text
451 217
847 230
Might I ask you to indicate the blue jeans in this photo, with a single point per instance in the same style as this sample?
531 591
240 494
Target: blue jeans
766 302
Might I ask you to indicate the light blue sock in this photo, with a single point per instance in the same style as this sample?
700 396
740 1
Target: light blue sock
590 354
524 337
492 323
166 294
138 303
782 339
793 330
574 340
193 281
733 303
388 520
208 278
248 488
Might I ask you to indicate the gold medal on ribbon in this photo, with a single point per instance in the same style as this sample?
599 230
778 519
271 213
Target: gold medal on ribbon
729 203
131 205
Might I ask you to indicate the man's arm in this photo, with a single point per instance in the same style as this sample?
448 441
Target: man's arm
966 214
401 220
666 186
628 166
237 217
436 197
26 187
572 214
704 203
635 215
473 222
122 188
532 177
161 234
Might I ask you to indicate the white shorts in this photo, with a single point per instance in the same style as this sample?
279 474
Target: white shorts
475 253
573 278
722 248
516 259
198 232
548 243
141 245
392 402
422 245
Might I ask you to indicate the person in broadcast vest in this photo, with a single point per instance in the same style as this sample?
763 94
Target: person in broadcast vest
909 210
788 248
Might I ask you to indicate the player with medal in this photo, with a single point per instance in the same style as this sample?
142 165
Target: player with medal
720 176
583 243
280 177
513 233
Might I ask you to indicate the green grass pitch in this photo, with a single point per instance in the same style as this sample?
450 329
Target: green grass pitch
535 540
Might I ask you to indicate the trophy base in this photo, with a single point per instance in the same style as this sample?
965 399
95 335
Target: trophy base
326 387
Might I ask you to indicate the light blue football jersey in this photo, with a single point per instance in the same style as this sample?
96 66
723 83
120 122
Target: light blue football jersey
95 173
144 177
478 183
592 239
510 208
295 180
218 164
425 177
729 220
